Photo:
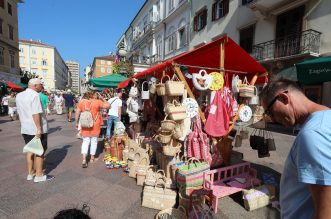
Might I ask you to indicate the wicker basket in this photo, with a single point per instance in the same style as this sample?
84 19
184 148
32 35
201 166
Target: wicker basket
168 125
178 133
174 88
164 137
171 150
179 213
160 88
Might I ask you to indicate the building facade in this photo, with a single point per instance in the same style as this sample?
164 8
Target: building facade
74 69
9 64
159 31
46 62
102 66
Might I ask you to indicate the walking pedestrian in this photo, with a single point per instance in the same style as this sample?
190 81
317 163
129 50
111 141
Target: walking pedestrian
114 113
59 102
69 102
12 110
33 124
305 189
44 101
94 104
4 103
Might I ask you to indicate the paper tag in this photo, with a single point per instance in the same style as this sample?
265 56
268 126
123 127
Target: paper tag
213 109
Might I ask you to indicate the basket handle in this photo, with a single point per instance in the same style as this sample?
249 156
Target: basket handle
164 77
193 160
142 86
159 181
181 208
245 81
160 171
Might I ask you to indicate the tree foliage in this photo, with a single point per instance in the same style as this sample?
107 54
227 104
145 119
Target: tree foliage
123 68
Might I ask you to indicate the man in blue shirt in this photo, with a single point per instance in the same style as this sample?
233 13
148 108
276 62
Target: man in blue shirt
305 189
69 102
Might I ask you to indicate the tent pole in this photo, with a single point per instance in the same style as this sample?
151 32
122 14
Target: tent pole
181 77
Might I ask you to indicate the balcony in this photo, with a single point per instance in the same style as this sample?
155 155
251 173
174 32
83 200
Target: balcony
304 43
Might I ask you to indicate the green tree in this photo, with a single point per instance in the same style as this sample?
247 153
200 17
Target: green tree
123 68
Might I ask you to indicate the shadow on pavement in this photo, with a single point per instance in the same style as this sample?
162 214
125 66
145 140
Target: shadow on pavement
50 120
99 149
55 157
51 130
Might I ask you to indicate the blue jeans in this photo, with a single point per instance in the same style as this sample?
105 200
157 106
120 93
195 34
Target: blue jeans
111 120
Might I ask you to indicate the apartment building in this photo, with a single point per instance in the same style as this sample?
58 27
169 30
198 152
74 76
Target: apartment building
102 66
74 69
45 61
159 31
9 65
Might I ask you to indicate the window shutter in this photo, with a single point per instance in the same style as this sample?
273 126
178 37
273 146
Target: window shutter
226 6
195 23
204 17
213 12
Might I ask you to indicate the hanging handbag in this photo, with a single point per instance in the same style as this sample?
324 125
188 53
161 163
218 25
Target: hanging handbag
270 141
254 100
238 141
174 87
175 111
218 120
160 87
246 90
152 88
244 133
235 83
144 93
256 139
258 118
202 80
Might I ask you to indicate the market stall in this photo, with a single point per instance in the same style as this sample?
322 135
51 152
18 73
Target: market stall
204 93
111 80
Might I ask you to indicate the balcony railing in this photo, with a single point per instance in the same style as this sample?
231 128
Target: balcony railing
306 42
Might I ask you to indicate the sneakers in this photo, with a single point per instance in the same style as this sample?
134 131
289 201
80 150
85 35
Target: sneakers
43 178
30 177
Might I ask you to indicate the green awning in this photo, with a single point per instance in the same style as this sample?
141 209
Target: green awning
21 84
314 71
288 73
107 81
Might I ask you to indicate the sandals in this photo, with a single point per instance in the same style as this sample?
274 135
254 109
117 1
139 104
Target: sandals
84 164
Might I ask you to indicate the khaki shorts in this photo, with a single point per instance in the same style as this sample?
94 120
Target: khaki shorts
69 109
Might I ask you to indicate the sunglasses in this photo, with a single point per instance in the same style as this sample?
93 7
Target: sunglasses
268 109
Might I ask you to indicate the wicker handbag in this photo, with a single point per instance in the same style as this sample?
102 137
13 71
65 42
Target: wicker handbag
164 137
168 125
173 213
160 87
178 133
246 90
176 111
171 149
191 174
174 87
152 176
159 198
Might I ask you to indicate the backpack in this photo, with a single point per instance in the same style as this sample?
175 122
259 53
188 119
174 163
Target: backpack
86 118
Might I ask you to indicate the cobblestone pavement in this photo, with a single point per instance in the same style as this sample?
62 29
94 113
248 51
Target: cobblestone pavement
108 193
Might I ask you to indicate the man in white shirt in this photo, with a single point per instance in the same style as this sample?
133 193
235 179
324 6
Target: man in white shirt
114 114
59 103
33 124
4 101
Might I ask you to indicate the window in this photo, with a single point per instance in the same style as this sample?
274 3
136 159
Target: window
159 50
33 61
2 57
200 20
21 50
11 31
1 31
220 9
12 59
44 62
245 2
108 62
182 37
45 73
247 38
2 3
44 52
34 71
102 62
33 52
171 5
172 43
108 70
10 10
102 70
22 61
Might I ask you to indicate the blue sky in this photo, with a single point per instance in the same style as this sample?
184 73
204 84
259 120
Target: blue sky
79 29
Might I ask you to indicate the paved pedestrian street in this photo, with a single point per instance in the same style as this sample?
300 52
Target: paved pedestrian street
108 193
